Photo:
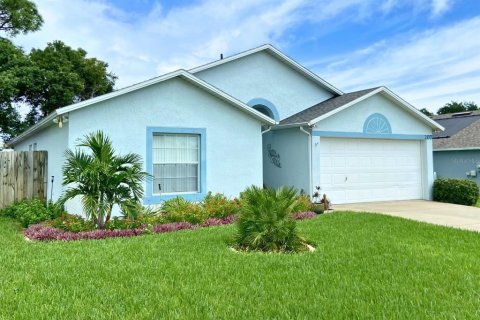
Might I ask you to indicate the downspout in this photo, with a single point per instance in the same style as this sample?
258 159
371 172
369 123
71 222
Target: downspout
265 131
309 160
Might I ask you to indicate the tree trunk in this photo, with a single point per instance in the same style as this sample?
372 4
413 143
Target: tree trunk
109 213
101 222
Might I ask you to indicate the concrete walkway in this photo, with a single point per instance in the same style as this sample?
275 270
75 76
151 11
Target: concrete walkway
444 214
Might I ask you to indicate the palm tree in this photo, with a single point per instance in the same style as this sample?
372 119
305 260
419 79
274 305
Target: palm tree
102 178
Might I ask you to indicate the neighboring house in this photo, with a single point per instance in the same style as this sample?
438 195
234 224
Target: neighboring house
456 151
257 117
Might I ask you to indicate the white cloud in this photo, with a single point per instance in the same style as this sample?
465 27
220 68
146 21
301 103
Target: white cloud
139 47
427 69
145 46
439 7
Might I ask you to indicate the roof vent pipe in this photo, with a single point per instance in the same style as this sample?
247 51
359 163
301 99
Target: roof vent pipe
221 56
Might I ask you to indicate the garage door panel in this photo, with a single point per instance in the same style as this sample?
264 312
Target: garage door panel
359 170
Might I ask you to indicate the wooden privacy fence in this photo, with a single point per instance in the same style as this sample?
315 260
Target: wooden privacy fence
23 175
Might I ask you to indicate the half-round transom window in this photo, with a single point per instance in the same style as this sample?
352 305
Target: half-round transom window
377 124
264 109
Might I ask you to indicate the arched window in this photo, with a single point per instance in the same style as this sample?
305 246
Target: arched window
266 107
377 124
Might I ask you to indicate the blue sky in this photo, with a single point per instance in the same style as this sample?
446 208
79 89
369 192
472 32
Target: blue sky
427 51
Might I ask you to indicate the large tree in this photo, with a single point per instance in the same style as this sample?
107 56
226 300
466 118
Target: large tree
454 106
19 16
13 64
62 76
46 79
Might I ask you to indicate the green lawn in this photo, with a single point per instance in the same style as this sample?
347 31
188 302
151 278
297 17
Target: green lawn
366 266
478 202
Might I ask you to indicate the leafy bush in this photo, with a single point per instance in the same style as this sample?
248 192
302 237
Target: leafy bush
218 206
303 203
31 211
265 222
318 208
73 223
138 210
458 191
180 210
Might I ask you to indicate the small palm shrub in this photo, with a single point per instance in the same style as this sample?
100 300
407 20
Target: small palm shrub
102 178
265 221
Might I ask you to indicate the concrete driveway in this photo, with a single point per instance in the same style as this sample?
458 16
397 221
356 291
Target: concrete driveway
444 214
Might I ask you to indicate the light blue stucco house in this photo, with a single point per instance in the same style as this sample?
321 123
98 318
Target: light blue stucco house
456 151
259 118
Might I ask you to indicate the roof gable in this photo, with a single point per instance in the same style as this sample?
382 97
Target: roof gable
334 105
280 56
324 107
45 122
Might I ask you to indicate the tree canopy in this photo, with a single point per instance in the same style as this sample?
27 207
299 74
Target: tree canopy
454 106
61 76
19 16
46 79
426 112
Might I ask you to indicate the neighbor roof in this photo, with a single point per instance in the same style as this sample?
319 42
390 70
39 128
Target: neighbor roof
279 55
333 105
47 121
462 131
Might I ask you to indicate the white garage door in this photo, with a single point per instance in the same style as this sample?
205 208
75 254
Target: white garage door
362 170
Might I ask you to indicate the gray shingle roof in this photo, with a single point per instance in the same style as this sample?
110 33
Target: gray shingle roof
324 107
460 131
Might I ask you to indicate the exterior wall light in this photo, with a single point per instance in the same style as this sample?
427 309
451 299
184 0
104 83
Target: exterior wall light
60 120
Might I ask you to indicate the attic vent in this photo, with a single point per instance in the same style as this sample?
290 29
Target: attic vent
461 114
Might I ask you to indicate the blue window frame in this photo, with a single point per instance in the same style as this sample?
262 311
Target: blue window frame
153 193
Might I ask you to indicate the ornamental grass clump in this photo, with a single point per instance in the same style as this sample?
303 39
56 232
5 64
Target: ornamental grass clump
266 221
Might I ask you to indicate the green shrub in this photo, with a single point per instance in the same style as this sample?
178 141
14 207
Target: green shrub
138 210
265 221
178 209
303 203
318 208
30 212
218 206
73 223
459 191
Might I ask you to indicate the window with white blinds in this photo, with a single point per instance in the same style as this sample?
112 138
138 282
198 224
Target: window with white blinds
176 163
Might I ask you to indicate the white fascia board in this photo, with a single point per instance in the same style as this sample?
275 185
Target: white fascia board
226 97
390 94
119 92
431 123
345 106
182 73
289 61
290 125
45 122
